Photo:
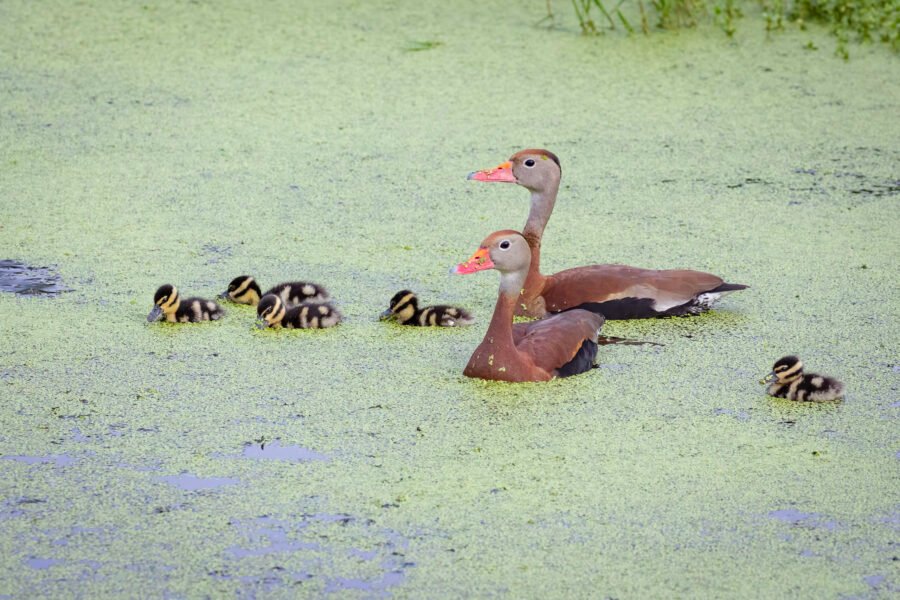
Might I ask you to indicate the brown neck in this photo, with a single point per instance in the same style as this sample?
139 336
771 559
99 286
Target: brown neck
542 202
497 357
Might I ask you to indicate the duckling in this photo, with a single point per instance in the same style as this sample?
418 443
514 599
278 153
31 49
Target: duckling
272 312
169 303
787 380
404 308
245 290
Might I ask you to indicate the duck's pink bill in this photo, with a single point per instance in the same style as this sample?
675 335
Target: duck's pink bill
480 261
502 173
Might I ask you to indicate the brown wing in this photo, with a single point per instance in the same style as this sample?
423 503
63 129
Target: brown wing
553 341
599 283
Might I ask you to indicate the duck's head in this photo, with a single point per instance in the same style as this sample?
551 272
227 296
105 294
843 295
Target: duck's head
243 290
402 307
785 370
270 311
505 251
165 301
535 169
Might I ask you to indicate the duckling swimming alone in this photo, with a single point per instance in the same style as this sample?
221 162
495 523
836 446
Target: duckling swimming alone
168 302
787 380
404 308
245 290
272 312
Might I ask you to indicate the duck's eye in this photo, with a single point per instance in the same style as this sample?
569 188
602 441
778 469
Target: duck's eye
504 245
529 163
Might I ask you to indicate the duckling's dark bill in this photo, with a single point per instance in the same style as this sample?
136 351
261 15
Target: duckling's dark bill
155 314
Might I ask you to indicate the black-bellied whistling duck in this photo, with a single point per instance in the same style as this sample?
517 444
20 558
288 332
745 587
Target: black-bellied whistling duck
169 303
244 290
272 312
555 346
404 308
787 380
616 291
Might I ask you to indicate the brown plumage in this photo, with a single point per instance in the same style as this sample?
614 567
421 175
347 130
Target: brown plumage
787 380
556 346
168 304
616 291
404 308
272 312
245 290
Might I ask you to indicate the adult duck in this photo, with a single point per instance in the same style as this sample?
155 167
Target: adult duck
556 346
616 291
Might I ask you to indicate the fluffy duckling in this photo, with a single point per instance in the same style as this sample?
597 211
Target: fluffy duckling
169 303
404 308
272 312
787 380
245 290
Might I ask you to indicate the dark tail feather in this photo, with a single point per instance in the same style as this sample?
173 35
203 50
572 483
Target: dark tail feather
728 287
581 362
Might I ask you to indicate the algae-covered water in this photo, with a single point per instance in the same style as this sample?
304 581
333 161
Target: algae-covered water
190 142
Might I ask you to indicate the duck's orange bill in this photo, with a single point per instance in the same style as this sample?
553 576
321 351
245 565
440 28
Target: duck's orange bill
501 173
479 261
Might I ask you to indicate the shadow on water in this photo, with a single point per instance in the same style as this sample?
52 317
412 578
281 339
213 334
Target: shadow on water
22 279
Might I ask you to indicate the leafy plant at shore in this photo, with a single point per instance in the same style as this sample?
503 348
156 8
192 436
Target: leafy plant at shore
858 20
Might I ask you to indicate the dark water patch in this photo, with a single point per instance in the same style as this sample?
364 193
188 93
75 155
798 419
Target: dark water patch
189 482
881 583
60 460
305 540
42 563
19 278
275 538
275 451
798 518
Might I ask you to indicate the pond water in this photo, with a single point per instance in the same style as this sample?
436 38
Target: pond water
189 143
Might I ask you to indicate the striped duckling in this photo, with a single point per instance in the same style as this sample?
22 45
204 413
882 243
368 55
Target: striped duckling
245 290
272 312
404 308
168 303
787 380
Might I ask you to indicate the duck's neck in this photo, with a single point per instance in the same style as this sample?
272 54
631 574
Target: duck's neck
500 327
497 357
541 208
542 202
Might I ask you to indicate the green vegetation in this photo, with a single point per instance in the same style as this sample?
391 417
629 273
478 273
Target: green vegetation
848 20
